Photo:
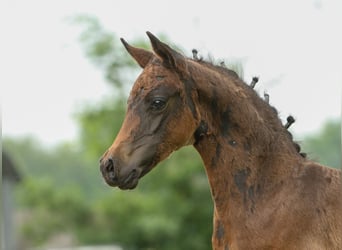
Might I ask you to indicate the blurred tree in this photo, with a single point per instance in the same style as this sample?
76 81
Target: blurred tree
62 165
51 209
62 194
325 147
104 50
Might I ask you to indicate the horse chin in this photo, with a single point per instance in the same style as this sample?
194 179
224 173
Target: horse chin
147 169
132 180
132 184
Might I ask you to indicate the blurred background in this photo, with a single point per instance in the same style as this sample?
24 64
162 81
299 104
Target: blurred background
65 78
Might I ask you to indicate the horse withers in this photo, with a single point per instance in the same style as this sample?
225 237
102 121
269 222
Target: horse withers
266 194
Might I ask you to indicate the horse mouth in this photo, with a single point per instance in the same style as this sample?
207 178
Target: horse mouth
126 182
131 181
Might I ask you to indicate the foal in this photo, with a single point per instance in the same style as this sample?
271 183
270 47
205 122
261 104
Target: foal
266 194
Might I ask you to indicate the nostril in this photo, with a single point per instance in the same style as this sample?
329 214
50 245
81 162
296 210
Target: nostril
110 170
110 165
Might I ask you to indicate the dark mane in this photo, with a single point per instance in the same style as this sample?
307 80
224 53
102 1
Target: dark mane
223 69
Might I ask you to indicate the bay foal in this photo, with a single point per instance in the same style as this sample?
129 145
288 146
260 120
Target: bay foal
266 194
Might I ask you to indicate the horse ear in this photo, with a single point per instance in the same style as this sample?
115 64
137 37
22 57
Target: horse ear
141 56
169 56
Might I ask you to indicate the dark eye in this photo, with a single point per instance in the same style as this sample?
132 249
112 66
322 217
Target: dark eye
158 104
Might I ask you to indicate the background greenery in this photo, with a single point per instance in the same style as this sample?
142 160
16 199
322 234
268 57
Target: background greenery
63 190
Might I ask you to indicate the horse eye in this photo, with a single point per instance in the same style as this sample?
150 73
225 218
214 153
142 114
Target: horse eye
158 104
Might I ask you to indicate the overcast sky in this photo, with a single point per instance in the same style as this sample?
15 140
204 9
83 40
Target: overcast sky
293 46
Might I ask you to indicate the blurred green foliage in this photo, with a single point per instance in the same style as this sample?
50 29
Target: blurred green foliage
169 203
104 50
64 192
325 147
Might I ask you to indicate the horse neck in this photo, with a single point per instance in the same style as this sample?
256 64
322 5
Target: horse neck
241 140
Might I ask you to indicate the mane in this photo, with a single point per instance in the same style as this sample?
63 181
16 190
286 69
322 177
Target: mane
223 69
211 64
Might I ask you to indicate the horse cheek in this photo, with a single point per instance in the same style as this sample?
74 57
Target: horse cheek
183 129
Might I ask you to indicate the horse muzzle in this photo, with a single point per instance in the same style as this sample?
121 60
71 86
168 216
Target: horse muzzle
123 177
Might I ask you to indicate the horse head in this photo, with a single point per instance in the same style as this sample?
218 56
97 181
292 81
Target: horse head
161 116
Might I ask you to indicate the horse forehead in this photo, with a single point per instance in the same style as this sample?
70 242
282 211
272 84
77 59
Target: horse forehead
156 75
